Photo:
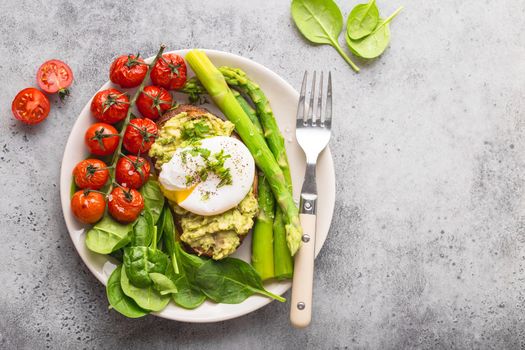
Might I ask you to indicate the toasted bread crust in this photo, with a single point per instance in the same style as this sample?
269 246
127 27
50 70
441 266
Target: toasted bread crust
194 112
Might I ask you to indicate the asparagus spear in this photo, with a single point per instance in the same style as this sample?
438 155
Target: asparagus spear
283 262
262 236
238 79
221 94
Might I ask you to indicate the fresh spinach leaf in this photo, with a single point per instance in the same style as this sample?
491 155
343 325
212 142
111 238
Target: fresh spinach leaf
153 198
374 44
143 229
188 295
120 301
362 20
169 234
108 235
321 22
230 281
162 283
140 261
147 298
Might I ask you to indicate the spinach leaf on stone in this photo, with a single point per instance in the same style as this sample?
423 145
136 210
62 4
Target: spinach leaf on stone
108 235
153 198
230 281
321 22
120 301
374 44
362 20
147 298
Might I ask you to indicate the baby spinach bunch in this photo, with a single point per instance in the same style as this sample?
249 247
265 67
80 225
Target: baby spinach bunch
367 34
321 22
155 268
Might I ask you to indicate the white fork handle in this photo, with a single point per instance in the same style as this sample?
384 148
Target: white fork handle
303 275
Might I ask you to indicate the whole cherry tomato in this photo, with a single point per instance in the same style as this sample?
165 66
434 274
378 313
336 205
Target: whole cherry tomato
169 72
153 101
91 173
88 206
55 76
110 106
125 204
132 171
101 139
140 135
128 71
30 106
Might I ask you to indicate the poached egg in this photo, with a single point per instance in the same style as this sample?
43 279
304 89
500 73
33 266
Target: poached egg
210 177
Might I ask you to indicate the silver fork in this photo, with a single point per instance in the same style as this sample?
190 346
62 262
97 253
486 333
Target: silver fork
313 134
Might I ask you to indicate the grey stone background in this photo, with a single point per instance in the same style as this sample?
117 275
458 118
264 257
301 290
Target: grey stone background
426 248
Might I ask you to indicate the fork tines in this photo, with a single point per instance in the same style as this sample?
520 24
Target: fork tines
314 116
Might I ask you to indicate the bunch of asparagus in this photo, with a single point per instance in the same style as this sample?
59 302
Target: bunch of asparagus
277 231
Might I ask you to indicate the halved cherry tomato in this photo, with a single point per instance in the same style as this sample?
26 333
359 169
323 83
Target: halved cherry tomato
132 171
169 72
88 206
91 173
153 101
128 71
30 106
125 204
110 106
140 135
101 139
55 76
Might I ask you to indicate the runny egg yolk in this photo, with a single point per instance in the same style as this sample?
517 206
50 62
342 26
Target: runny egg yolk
177 196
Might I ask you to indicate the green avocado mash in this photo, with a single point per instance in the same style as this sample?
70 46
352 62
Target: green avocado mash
219 234
174 134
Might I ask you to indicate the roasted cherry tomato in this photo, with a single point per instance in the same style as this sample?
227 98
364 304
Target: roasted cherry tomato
153 101
88 206
140 135
128 71
91 173
110 106
30 106
55 76
125 204
169 72
132 171
101 139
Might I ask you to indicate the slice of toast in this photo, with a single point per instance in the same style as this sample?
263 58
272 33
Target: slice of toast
195 112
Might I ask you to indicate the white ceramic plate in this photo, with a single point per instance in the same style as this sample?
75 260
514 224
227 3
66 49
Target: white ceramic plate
283 99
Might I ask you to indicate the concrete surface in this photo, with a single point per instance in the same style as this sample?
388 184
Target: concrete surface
427 244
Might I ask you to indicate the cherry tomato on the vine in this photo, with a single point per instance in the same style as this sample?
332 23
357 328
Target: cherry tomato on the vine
169 72
153 101
132 172
101 139
88 206
140 135
91 174
125 204
30 106
110 106
55 76
128 71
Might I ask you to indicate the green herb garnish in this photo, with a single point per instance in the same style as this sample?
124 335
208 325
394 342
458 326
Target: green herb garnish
193 132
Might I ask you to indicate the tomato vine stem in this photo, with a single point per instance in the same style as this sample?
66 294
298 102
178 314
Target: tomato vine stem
118 151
